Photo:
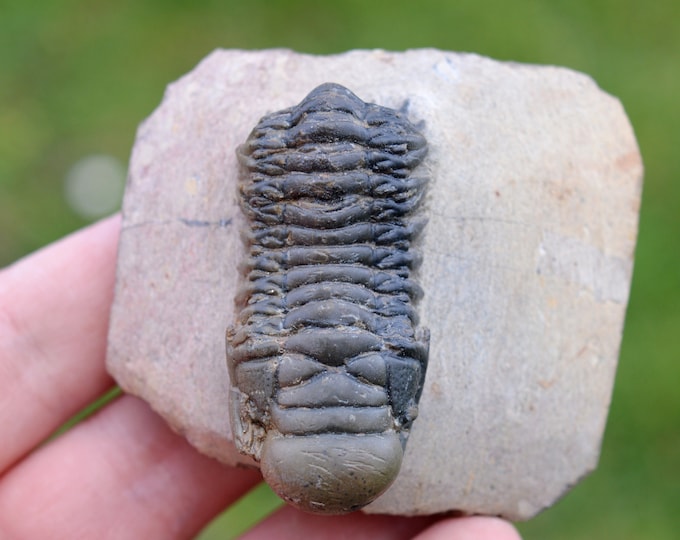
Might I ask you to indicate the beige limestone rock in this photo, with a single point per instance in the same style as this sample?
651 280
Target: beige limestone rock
528 254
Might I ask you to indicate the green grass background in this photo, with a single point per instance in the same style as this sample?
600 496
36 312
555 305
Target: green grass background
77 76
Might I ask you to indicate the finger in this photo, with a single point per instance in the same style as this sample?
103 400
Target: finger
470 528
289 523
54 309
120 474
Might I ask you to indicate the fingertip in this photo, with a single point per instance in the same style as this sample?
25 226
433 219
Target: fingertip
470 528
291 523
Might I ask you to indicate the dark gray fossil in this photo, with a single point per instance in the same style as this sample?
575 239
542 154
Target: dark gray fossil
326 360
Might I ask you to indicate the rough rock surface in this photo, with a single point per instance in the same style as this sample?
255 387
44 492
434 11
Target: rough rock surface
528 255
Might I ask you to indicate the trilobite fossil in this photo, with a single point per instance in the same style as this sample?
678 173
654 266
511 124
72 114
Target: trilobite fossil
326 360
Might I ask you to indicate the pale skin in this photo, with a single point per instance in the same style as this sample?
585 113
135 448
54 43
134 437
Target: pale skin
122 473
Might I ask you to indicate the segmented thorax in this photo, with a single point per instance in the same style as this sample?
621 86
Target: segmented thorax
326 360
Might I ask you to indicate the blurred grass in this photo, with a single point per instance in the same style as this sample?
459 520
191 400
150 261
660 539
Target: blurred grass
76 77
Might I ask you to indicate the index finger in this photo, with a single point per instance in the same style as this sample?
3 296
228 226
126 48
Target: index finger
54 312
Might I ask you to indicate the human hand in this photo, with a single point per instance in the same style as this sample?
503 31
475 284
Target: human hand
122 473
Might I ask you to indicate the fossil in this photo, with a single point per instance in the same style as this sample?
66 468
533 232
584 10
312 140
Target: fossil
326 360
